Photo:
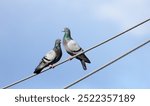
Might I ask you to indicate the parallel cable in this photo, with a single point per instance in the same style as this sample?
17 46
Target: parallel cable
107 64
59 63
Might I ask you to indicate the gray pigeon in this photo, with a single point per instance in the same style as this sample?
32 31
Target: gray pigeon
50 58
73 48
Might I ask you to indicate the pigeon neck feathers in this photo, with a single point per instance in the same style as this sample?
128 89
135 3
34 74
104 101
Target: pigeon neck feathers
67 36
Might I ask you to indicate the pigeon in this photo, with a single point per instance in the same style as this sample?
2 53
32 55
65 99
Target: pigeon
73 48
52 57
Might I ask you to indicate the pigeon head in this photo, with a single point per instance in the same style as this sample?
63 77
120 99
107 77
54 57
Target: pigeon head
66 30
58 41
67 33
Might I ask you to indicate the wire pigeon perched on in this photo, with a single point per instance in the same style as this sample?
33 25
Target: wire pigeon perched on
73 48
50 58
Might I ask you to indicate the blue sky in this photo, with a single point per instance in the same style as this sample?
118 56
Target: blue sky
28 29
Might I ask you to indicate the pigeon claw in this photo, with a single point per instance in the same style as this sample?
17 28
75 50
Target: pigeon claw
51 66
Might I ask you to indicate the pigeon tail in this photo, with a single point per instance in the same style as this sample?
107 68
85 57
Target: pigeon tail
83 57
83 64
40 67
86 59
38 70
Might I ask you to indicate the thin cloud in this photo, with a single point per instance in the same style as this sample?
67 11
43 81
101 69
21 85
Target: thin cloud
125 13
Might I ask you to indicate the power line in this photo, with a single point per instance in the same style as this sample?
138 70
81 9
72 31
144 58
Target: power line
24 79
105 41
106 65
59 63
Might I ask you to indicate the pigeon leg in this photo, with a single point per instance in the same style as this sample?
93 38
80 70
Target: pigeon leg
51 66
70 58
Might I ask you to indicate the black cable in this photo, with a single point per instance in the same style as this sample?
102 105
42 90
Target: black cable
59 63
106 65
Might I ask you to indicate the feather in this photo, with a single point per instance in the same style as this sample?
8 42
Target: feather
73 48
50 58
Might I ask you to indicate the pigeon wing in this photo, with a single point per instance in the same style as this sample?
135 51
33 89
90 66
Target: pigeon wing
50 56
73 46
